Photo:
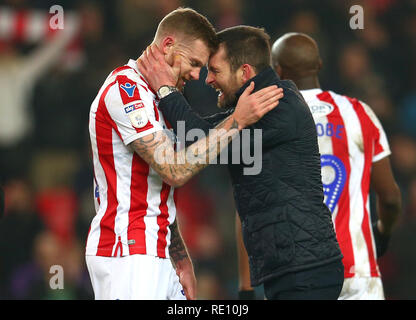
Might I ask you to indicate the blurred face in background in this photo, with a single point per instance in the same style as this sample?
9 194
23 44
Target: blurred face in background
193 55
222 78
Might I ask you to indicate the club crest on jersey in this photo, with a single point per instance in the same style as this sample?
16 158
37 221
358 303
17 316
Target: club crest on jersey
334 176
321 108
128 88
137 114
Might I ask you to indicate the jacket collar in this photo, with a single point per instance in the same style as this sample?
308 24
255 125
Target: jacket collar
263 79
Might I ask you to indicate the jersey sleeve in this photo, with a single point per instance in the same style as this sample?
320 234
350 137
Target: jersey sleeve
381 148
132 109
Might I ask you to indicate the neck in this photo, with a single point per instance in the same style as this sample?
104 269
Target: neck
260 79
307 83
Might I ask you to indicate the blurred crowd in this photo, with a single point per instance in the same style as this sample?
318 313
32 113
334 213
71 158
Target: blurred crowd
48 79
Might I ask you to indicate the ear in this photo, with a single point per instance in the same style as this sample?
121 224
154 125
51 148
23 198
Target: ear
247 72
279 70
167 44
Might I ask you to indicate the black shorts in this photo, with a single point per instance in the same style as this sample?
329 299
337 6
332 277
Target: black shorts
321 283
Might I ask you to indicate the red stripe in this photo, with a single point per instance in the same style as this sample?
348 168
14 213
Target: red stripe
378 148
369 135
118 247
20 25
341 150
138 205
162 221
103 127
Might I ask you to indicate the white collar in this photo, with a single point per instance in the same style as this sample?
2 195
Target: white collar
132 63
310 93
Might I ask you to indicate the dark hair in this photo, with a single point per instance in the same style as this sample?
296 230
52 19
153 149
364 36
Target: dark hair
246 44
190 23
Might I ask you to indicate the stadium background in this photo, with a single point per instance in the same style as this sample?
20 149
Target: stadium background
46 171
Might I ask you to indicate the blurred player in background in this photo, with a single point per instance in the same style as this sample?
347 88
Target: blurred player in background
354 156
134 232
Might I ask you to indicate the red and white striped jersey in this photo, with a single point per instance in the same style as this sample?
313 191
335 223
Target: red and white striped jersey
350 139
134 207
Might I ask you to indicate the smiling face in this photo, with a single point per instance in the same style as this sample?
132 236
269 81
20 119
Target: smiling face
222 78
194 55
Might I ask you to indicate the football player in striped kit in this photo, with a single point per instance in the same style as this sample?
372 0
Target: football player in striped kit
354 156
134 236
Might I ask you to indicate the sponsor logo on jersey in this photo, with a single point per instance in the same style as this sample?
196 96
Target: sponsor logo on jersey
321 108
128 88
133 107
137 114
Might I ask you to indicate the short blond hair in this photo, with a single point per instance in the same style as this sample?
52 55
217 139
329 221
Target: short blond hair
190 24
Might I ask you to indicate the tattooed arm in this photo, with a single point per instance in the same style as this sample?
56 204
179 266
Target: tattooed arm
177 249
183 264
176 168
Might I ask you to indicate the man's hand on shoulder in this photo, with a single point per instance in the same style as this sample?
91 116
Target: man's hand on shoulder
251 107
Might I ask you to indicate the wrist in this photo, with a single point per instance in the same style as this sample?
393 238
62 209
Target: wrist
235 123
165 90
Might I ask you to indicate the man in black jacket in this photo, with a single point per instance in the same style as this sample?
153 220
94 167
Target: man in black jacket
286 227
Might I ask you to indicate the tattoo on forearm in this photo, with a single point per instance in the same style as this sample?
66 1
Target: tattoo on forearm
177 249
181 168
234 124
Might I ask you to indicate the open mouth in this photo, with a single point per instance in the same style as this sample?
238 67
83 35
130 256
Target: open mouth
219 91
